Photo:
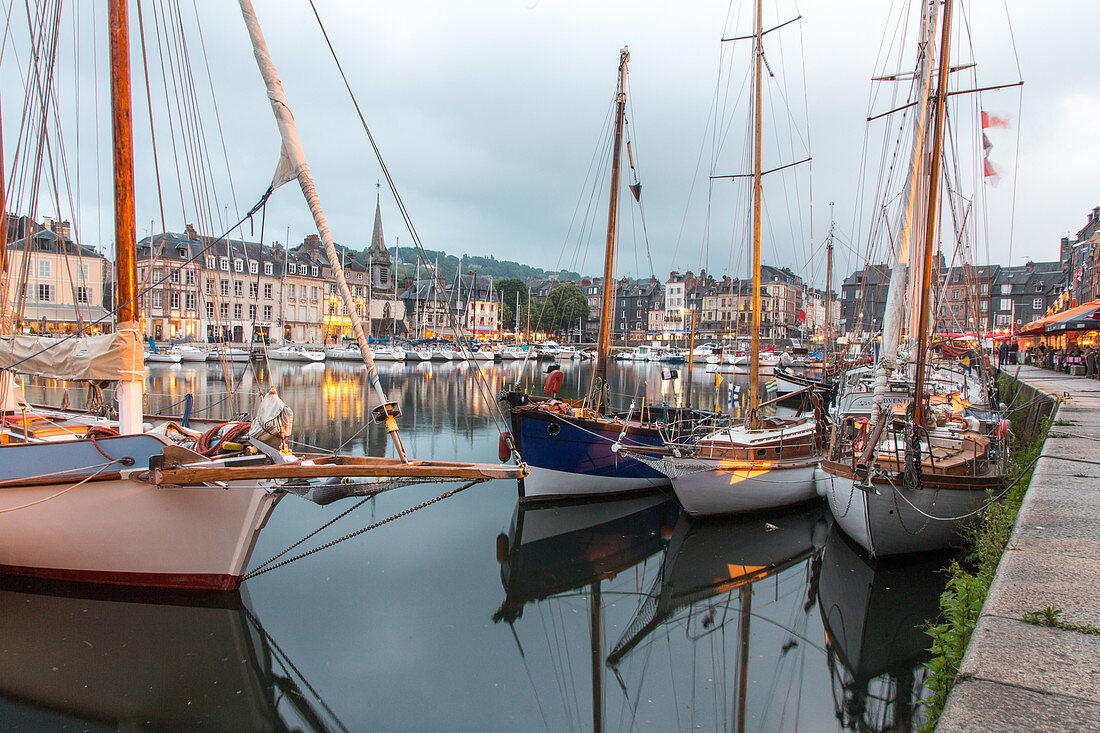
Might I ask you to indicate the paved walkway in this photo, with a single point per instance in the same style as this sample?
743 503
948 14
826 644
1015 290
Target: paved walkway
1022 677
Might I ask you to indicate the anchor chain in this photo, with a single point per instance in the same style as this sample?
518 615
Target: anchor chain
446 495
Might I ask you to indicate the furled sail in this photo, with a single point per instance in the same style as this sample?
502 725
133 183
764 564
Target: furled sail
116 356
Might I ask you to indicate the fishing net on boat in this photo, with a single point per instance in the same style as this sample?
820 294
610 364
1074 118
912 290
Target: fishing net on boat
670 465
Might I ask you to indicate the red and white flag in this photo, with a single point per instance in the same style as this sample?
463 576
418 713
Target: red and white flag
989 120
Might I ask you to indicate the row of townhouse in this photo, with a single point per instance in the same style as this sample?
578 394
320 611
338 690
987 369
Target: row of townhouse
54 284
197 287
648 308
980 299
434 306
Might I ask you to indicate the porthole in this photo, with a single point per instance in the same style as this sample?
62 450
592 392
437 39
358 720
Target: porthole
553 429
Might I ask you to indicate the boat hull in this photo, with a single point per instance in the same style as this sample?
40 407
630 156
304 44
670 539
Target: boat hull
896 521
572 458
129 532
740 487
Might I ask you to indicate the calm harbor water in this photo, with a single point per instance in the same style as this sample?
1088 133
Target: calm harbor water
475 614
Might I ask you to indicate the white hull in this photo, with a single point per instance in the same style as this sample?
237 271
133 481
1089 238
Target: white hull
546 483
442 355
734 488
418 355
191 353
165 357
233 355
887 523
386 353
343 354
131 532
302 356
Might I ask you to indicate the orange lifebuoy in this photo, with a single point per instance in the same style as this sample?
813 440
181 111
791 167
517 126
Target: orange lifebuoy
554 382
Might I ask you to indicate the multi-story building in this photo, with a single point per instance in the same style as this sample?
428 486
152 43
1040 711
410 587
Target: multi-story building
863 300
1081 260
964 294
432 307
633 300
54 284
1024 293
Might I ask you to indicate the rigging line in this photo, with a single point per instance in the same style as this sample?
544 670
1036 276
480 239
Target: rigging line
492 406
168 110
140 293
152 134
217 114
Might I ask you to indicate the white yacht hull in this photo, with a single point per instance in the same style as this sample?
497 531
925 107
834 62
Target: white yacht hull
129 532
894 521
734 487
546 484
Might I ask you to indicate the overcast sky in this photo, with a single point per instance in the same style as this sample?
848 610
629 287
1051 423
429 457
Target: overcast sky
488 115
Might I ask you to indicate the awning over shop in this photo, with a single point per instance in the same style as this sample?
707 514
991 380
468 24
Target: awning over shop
1082 317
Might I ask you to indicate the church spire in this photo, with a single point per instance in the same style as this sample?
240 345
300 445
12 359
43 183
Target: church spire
378 242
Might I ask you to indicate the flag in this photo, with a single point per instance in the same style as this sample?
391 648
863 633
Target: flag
734 396
802 315
771 387
989 120
717 380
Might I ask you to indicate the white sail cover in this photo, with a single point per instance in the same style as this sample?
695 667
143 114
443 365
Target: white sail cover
116 356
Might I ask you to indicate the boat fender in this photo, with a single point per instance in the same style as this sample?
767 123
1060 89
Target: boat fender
504 447
554 382
1003 428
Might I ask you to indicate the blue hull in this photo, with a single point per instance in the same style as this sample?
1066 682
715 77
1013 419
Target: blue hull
572 457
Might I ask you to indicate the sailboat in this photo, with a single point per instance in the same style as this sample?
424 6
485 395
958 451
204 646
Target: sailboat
114 658
571 446
763 463
143 501
906 478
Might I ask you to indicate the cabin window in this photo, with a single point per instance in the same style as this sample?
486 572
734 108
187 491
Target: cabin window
553 429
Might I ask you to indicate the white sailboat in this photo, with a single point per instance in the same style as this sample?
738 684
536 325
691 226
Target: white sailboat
131 502
763 463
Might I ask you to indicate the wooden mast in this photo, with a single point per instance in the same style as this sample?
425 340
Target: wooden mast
828 290
603 346
930 220
757 195
127 315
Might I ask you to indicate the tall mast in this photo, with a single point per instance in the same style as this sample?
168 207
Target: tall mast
603 346
293 165
828 287
757 196
127 314
930 219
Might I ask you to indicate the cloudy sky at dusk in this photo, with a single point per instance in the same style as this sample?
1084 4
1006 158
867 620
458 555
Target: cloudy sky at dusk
489 113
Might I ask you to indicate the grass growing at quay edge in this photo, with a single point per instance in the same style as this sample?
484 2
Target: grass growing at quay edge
971 576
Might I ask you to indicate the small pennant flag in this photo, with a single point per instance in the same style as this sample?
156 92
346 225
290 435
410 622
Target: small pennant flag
989 120
717 380
734 396
771 386
802 315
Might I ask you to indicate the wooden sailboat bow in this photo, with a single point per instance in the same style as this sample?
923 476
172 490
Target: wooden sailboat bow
757 196
930 222
603 347
293 165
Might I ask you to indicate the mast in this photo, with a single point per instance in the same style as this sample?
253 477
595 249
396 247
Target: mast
828 288
603 346
293 165
127 316
596 651
757 195
930 218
